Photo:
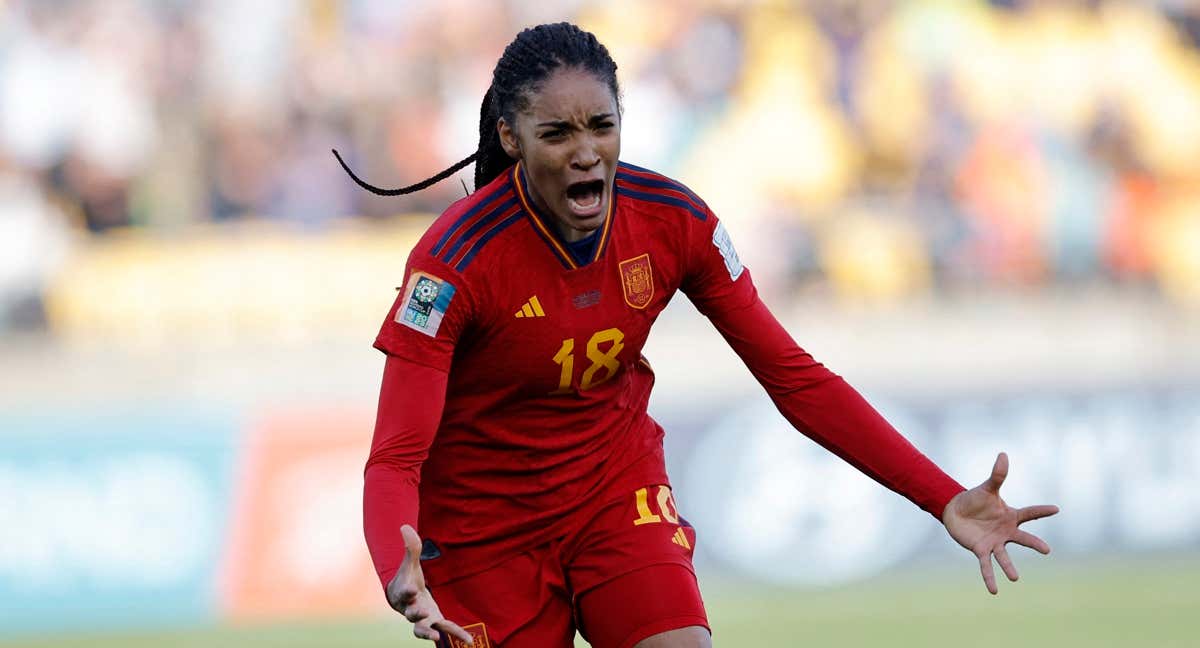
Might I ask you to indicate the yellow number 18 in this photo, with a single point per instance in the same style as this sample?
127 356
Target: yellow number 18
606 360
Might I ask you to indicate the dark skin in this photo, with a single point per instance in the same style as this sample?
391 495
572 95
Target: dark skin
980 521
407 594
569 133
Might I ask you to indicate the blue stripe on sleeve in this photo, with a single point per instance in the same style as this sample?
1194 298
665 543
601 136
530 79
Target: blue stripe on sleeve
665 181
462 264
664 200
466 217
474 229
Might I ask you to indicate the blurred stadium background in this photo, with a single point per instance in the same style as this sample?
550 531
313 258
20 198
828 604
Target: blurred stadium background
984 214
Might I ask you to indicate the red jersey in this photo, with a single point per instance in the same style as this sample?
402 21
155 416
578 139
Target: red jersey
533 359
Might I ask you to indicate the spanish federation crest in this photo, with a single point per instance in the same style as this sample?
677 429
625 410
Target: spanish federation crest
637 280
479 637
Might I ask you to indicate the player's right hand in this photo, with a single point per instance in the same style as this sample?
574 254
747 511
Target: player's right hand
408 596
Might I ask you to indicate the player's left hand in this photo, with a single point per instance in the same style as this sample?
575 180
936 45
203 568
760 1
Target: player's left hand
982 523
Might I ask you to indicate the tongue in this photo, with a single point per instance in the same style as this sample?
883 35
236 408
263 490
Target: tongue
587 200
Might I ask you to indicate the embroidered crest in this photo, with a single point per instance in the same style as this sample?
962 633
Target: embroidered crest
725 245
478 634
428 299
637 280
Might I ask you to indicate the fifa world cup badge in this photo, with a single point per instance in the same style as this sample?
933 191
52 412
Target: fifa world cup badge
428 299
637 280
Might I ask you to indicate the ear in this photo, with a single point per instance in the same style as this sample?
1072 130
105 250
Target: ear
508 139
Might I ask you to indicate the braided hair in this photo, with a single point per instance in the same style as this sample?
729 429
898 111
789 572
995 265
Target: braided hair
527 62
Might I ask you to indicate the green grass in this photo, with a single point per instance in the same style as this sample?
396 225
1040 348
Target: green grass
1120 603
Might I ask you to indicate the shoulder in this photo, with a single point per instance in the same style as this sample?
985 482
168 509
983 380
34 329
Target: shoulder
455 239
659 195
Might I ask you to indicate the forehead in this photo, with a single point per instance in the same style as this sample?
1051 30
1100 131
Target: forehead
571 93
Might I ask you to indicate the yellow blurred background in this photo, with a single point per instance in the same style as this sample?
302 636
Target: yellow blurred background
986 214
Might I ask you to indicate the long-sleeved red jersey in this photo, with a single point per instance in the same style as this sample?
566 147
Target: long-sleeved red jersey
514 396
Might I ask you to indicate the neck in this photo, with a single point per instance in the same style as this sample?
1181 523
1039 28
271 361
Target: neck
570 234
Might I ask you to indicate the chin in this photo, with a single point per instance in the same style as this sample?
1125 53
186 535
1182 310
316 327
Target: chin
590 222
586 224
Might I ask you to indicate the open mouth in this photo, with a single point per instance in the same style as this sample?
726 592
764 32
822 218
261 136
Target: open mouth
584 197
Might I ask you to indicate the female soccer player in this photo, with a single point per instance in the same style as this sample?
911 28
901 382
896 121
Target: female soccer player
512 428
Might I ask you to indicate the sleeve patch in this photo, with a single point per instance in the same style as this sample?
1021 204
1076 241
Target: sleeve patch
725 245
428 299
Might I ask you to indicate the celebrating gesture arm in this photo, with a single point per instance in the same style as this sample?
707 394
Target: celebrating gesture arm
410 406
821 405
982 523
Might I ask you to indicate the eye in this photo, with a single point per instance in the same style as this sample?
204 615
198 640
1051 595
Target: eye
604 127
555 134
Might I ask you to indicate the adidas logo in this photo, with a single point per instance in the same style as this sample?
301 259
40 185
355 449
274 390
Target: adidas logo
531 308
680 538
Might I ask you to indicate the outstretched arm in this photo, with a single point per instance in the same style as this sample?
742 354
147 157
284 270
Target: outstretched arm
820 404
816 401
825 408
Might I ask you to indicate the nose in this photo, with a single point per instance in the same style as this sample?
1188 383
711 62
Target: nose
585 155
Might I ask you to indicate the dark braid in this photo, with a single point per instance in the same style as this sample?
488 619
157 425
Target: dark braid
490 158
410 188
527 62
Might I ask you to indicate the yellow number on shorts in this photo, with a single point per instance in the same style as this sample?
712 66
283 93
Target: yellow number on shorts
666 506
606 360
645 515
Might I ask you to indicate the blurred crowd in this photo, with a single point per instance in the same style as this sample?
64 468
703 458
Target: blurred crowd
878 149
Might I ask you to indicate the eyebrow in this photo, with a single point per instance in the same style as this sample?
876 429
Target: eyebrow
564 124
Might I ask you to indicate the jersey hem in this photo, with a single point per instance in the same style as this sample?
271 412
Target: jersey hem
665 625
685 563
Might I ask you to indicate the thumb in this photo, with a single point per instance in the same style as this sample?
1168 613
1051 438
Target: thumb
999 473
412 544
408 581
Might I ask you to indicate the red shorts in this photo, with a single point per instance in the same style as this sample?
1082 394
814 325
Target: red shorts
625 575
